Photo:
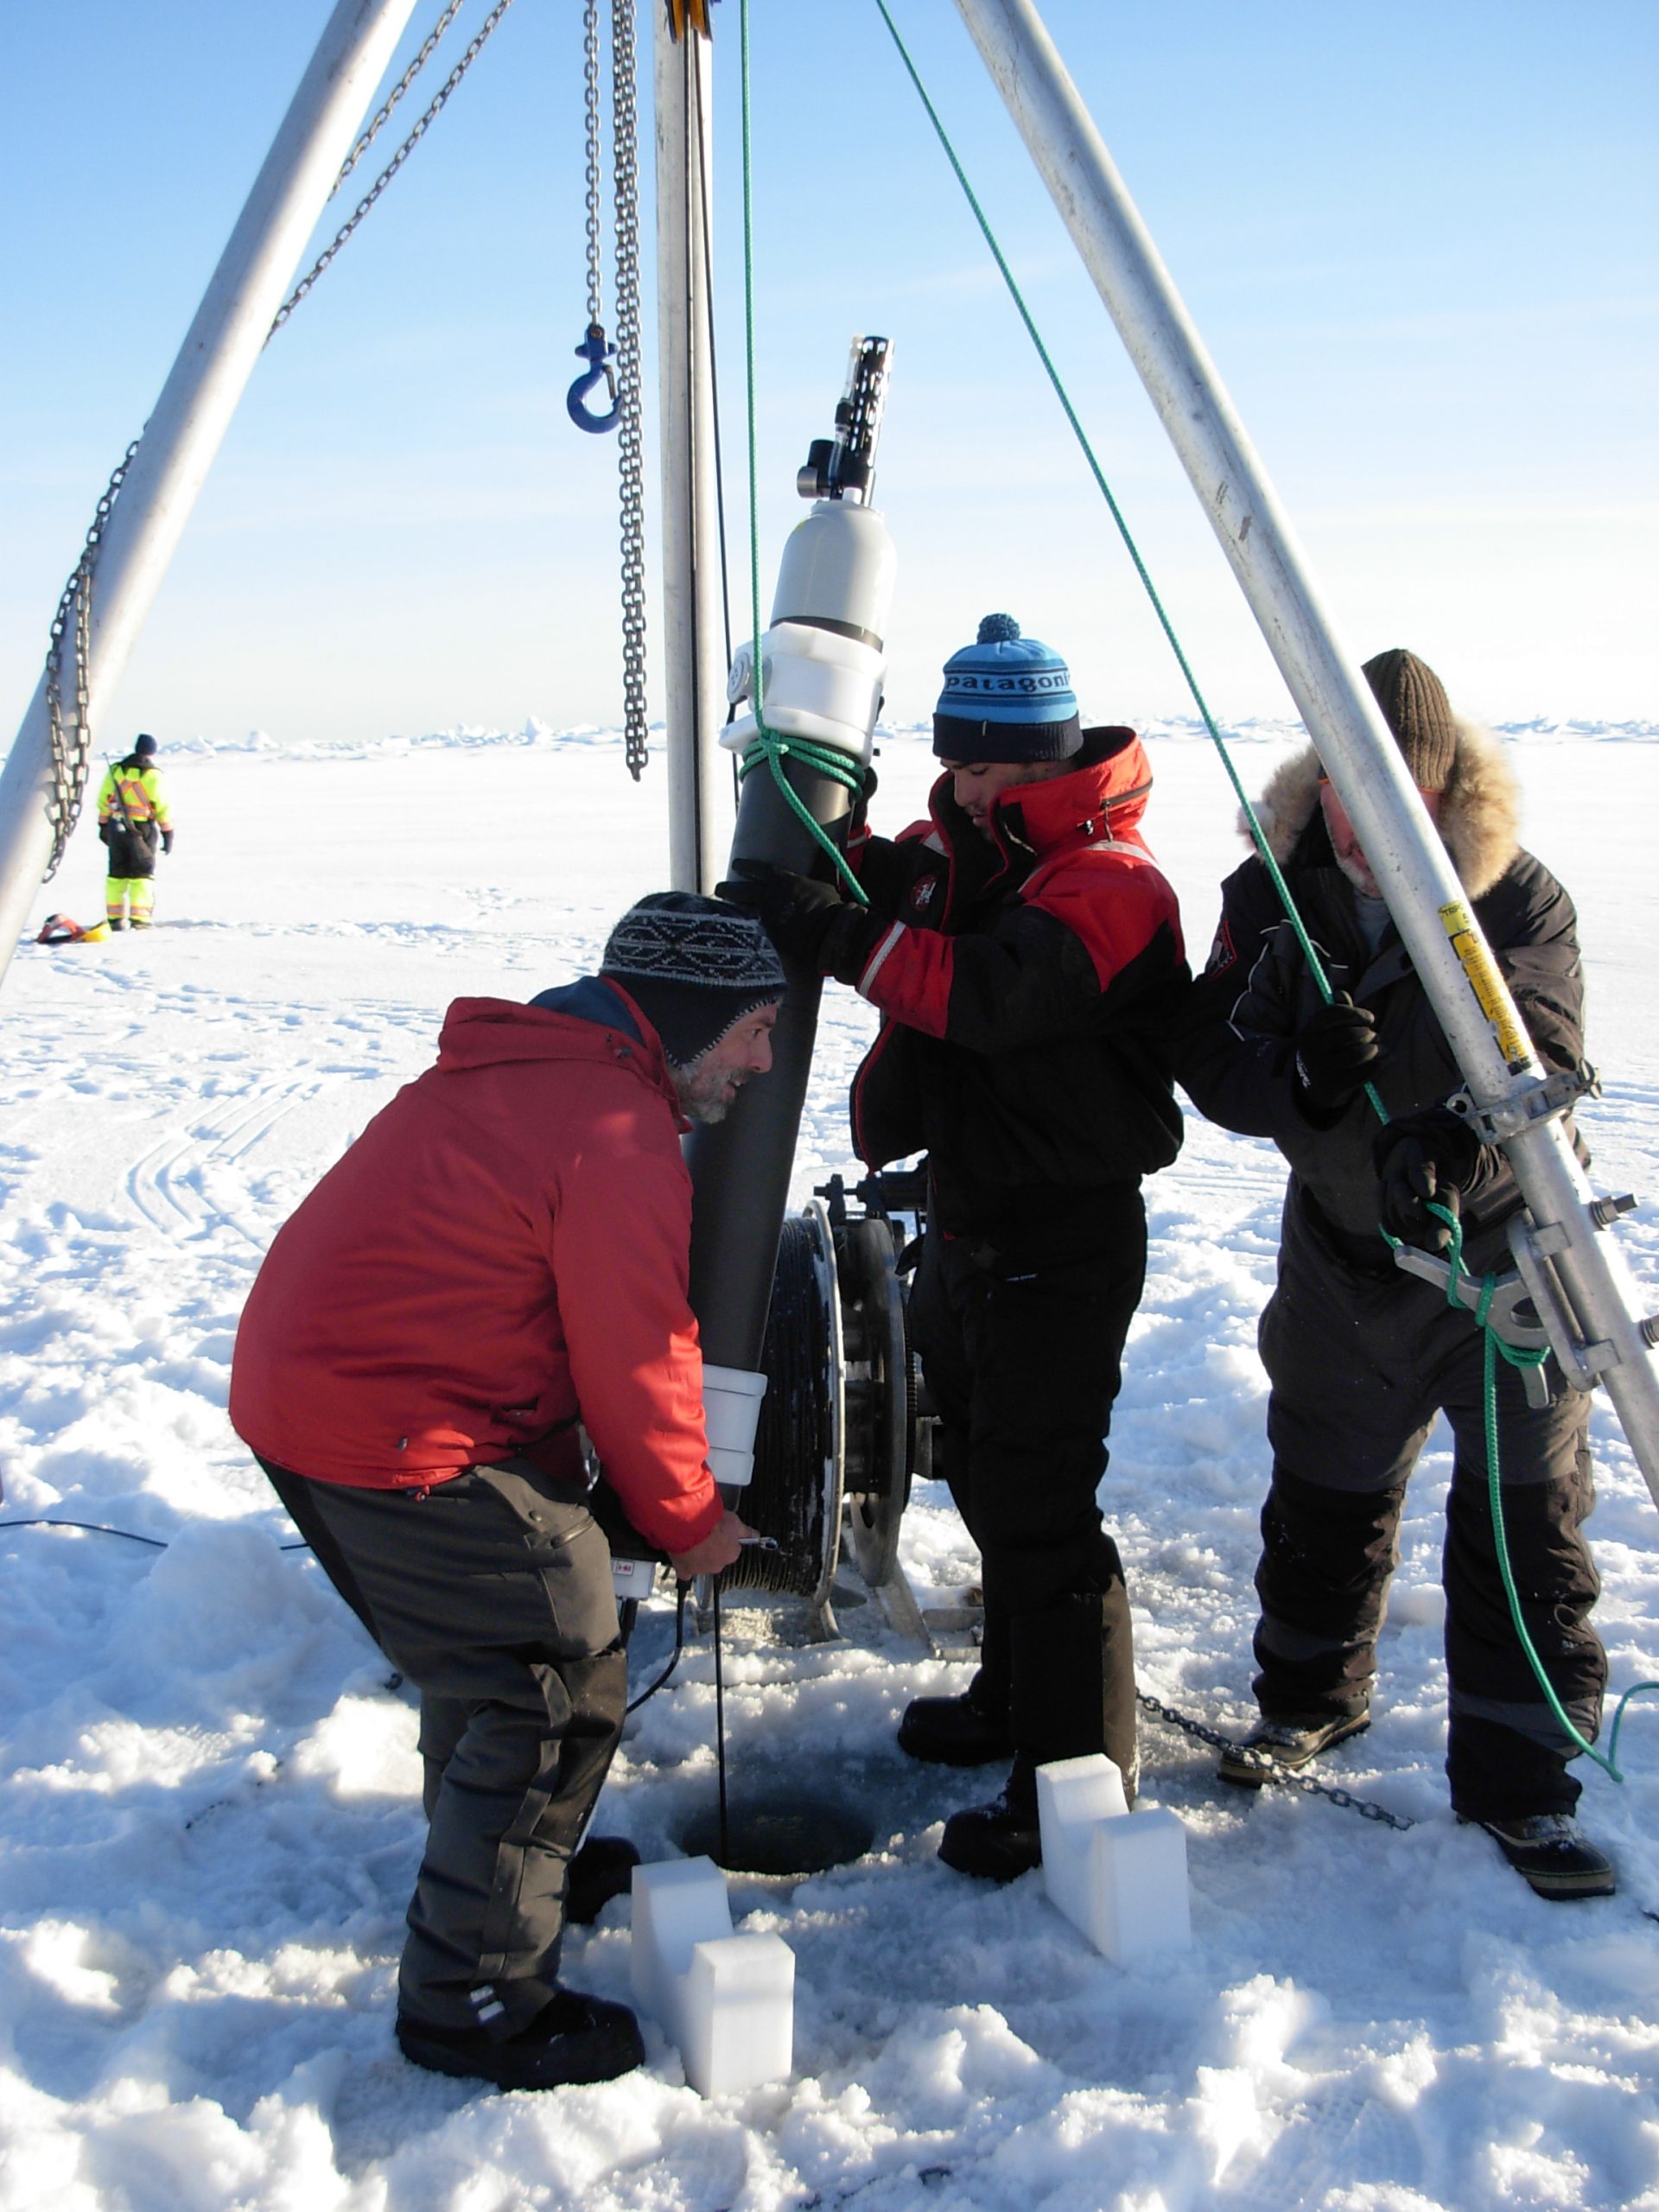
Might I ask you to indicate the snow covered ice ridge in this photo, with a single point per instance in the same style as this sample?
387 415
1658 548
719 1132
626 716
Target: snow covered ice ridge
209 1814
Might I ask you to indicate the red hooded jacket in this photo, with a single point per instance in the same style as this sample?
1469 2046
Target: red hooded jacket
1027 981
502 1251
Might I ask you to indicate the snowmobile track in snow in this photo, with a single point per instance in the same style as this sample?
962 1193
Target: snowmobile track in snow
165 1184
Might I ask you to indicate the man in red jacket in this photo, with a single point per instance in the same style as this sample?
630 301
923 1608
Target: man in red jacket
1025 954
500 1255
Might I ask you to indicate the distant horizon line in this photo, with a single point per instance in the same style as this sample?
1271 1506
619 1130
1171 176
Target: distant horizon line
534 731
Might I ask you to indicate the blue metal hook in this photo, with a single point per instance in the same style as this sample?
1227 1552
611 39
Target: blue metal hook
595 349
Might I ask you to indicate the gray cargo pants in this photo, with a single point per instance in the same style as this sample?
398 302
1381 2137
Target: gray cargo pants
491 1592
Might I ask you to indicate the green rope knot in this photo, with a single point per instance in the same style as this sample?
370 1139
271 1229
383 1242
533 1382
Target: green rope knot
772 748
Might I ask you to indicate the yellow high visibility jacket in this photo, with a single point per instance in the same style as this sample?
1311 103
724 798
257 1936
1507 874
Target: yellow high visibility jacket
143 793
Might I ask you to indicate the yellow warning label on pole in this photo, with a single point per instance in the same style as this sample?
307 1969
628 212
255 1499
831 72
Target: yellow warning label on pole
1476 959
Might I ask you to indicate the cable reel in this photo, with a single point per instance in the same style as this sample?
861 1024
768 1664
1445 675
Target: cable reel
885 1436
842 1432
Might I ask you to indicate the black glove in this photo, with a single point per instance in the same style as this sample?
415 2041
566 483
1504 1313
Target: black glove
167 840
807 920
1435 1155
1336 1051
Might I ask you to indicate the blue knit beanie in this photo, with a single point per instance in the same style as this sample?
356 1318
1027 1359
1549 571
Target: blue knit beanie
1006 697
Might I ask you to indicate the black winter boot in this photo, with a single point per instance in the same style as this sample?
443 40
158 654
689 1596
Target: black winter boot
1001 1841
1552 1855
574 2038
1286 1744
966 1730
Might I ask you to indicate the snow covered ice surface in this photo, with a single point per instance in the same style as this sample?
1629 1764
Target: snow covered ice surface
209 1797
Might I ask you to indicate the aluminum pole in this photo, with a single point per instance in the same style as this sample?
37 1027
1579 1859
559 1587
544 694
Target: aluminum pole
190 418
694 637
1428 903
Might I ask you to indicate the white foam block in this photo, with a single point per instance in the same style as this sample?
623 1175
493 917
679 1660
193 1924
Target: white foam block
1119 1877
727 2002
740 2014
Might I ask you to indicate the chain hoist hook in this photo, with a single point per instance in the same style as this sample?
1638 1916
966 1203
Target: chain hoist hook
595 349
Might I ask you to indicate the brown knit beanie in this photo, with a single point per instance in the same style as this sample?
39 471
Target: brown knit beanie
1415 708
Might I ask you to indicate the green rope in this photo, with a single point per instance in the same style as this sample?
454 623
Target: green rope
1495 1346
1316 967
770 745
773 749
1517 1355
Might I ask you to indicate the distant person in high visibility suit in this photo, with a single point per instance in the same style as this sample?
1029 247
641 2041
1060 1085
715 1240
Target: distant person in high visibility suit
134 815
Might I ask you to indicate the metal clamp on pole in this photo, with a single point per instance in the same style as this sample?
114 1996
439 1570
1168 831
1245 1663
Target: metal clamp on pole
1530 1105
1535 1249
1512 1293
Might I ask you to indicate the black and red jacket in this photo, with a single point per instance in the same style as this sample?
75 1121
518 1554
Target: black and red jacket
1027 981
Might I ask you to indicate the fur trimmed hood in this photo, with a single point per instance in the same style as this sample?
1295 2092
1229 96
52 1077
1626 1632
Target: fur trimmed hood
1480 810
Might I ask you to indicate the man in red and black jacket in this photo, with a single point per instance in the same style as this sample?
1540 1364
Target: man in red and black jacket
1026 955
502 1253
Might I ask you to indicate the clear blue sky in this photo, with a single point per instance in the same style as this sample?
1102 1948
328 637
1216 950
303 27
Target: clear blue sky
1419 239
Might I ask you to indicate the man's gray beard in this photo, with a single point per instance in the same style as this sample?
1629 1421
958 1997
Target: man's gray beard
1362 878
705 1110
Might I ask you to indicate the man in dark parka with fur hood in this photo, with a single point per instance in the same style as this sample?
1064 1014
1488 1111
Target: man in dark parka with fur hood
1361 1356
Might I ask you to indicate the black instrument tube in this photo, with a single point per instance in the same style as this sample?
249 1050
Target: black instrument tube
740 1167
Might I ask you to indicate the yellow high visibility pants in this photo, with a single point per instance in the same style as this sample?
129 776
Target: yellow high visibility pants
138 891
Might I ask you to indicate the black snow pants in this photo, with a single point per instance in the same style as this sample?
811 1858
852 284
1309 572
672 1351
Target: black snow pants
132 852
1359 1366
491 1592
1022 1363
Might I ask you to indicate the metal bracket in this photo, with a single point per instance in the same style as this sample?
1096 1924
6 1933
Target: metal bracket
1545 1100
1534 1249
1534 1285
1502 1315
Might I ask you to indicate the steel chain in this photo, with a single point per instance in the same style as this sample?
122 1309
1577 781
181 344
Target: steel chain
590 96
390 171
397 93
1367 1808
630 441
71 745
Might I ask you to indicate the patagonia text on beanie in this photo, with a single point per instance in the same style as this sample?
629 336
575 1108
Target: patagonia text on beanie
1006 697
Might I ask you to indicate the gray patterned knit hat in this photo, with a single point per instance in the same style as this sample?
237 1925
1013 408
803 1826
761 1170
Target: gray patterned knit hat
693 966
